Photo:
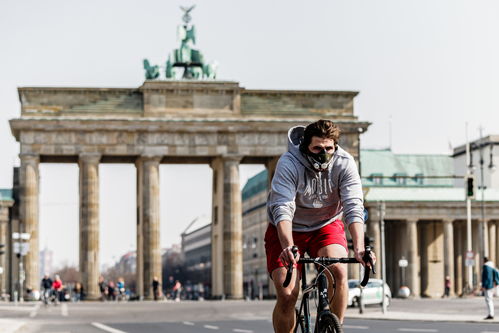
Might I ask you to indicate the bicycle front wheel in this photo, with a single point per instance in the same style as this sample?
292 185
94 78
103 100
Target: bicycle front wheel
329 323
300 323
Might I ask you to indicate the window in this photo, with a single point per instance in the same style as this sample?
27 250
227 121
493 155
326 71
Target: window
419 178
400 178
376 178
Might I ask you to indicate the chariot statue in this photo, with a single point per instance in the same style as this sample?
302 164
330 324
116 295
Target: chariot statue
185 57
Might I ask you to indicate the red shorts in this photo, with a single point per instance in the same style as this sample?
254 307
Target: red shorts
310 242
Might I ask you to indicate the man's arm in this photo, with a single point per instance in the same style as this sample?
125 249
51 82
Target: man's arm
285 234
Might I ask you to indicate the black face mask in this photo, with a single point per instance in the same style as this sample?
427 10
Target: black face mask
319 161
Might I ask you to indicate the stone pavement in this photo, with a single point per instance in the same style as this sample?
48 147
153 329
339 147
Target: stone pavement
468 309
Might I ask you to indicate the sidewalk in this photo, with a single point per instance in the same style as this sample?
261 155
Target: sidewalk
472 309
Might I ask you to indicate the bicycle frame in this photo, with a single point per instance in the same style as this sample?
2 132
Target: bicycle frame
323 303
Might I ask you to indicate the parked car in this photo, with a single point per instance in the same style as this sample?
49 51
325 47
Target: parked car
371 293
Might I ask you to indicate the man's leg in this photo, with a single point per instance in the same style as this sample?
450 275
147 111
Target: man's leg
489 294
283 316
340 300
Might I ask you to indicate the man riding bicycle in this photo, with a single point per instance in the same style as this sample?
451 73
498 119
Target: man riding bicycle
316 186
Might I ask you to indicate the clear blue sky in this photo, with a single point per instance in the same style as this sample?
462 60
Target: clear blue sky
429 66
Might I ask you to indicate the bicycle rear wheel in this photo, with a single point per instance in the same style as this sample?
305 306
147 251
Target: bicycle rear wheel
329 323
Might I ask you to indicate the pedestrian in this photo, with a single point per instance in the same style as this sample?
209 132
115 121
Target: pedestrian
176 290
490 277
102 288
446 287
155 288
77 291
57 288
46 287
111 291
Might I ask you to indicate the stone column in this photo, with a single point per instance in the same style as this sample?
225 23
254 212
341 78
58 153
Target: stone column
413 268
373 231
4 233
29 201
217 265
89 223
232 229
449 253
149 244
492 242
459 250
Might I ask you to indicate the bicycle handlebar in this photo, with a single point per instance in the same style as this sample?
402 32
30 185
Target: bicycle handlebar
329 261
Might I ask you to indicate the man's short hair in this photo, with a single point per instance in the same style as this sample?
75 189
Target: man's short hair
324 129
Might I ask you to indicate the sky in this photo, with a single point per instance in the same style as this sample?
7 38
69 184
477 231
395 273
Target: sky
423 70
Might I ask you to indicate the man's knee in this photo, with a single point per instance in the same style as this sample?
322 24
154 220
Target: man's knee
340 274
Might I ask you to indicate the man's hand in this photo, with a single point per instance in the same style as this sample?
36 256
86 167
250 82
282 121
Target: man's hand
359 255
287 256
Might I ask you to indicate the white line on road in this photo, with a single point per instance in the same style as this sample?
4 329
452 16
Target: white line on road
107 328
356 327
188 323
64 310
34 312
211 327
417 330
242 331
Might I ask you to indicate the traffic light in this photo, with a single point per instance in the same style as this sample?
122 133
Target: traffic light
1 249
470 187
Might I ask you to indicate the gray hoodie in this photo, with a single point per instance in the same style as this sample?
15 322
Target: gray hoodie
312 199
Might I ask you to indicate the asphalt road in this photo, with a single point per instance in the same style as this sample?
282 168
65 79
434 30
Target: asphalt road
186 317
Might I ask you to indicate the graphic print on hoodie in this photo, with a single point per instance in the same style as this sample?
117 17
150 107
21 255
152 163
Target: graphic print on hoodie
312 199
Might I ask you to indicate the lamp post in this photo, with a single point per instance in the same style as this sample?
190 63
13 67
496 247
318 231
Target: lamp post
21 248
482 230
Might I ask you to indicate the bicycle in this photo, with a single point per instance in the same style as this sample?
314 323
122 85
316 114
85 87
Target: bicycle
326 321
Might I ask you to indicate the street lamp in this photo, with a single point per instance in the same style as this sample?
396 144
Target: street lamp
482 231
21 248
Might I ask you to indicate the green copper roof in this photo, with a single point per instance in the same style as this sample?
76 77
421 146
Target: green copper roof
6 194
387 164
255 185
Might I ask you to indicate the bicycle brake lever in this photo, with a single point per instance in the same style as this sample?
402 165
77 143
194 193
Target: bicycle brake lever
294 249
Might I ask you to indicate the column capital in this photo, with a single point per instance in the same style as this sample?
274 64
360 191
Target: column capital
232 158
27 158
413 220
149 159
93 158
447 221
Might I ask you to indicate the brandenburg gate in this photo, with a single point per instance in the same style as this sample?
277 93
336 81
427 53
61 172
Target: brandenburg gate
172 121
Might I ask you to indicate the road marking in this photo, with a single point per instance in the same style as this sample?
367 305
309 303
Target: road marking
242 331
34 312
188 323
417 330
107 328
64 310
211 327
356 327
